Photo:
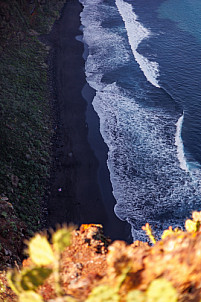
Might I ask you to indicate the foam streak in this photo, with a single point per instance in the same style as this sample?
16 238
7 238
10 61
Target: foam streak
136 33
179 144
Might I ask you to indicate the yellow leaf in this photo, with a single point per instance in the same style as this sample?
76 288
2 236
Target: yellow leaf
136 296
161 290
30 296
167 232
196 216
103 293
14 281
190 225
147 228
40 250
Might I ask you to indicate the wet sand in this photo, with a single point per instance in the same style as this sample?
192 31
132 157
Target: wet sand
80 191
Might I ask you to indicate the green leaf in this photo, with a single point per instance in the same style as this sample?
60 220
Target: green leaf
161 290
61 239
103 293
136 296
35 277
40 250
30 296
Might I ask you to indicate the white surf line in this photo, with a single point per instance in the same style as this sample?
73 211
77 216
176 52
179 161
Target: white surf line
136 33
180 146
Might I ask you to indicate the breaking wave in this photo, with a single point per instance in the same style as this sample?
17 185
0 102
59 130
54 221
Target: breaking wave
136 33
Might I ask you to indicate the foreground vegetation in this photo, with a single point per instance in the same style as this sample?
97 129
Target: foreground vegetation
137 273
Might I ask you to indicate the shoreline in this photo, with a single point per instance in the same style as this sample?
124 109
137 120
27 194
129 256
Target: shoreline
81 190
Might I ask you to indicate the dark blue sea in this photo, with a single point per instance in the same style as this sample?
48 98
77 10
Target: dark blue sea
144 63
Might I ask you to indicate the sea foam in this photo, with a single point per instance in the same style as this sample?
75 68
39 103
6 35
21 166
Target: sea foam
148 184
180 146
147 181
136 33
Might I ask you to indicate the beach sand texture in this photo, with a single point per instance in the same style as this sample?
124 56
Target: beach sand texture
81 181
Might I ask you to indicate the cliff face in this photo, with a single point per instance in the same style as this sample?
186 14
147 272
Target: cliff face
13 21
18 17
25 121
12 235
25 116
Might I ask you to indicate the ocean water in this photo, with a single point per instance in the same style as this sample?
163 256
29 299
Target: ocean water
144 63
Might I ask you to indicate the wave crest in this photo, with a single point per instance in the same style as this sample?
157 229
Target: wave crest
136 33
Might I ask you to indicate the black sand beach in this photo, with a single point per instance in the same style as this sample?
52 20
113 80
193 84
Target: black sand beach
81 191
